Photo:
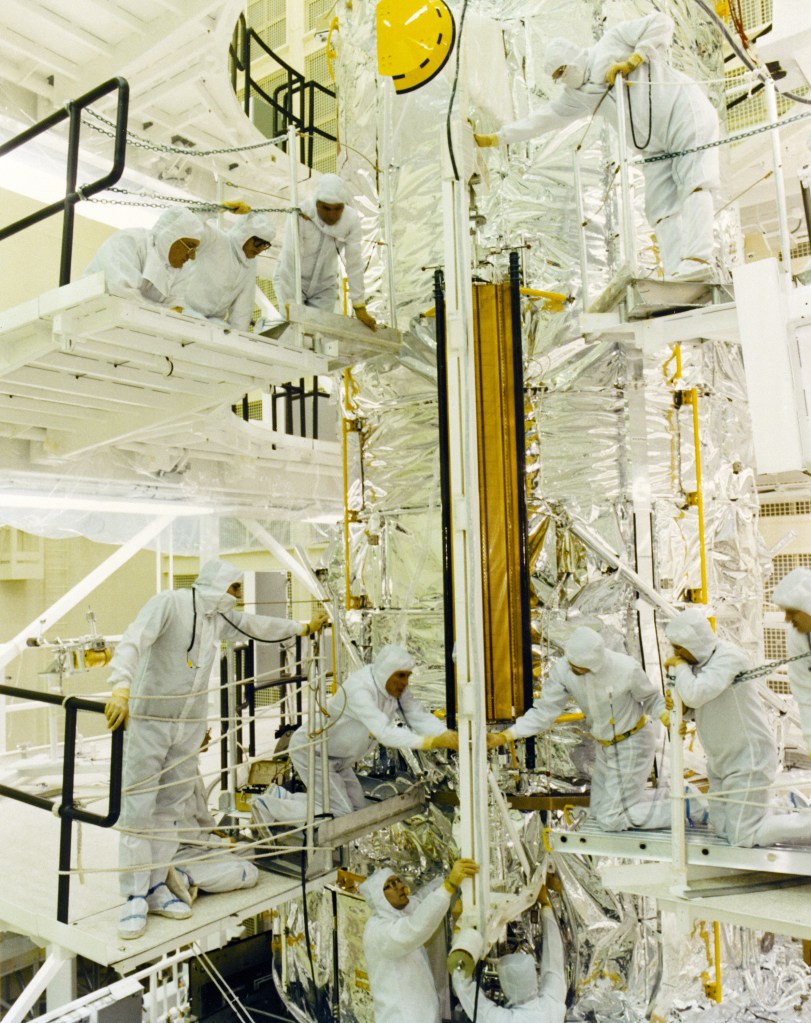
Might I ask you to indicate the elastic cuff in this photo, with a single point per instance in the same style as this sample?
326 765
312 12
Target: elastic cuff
305 630
358 305
449 888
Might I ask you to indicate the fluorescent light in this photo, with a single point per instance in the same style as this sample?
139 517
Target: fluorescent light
56 502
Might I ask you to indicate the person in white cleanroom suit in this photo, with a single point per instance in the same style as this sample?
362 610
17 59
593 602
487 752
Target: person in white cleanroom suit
159 676
205 861
400 976
143 263
667 112
617 699
221 283
327 228
793 594
528 999
732 729
363 711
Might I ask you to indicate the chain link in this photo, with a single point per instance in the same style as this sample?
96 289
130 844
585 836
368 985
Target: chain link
158 147
766 669
722 142
165 201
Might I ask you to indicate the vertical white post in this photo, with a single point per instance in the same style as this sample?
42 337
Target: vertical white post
317 649
678 838
627 238
311 727
581 220
465 527
231 695
292 155
779 181
388 228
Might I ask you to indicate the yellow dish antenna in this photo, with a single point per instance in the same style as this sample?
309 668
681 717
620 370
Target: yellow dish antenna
414 41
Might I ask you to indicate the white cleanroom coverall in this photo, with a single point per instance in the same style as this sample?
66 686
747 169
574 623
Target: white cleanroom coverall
203 860
794 592
320 246
165 659
135 261
530 1002
221 282
360 714
400 976
731 726
615 695
679 191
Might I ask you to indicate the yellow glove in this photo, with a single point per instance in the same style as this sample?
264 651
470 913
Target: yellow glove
117 709
664 717
624 67
235 206
365 318
668 698
485 141
317 623
496 739
445 740
459 871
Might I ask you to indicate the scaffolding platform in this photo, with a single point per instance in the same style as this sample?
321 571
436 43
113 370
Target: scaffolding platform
29 869
760 901
703 847
82 369
639 298
342 340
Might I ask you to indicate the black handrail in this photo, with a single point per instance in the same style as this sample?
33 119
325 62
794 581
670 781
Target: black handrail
73 110
67 811
292 102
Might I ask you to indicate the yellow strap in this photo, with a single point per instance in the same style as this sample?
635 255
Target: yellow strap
623 735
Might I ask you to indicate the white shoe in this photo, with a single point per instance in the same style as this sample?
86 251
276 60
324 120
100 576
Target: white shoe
163 903
132 918
180 883
693 270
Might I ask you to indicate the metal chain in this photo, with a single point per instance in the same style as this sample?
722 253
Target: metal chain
723 142
766 669
163 201
158 147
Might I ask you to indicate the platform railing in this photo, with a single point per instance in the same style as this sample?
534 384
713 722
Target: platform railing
66 808
72 112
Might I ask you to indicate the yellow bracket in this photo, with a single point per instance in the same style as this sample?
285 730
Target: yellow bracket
554 301
329 51
567 814
545 837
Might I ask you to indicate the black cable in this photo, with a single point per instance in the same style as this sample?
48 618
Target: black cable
631 114
258 639
453 91
741 54
193 626
479 971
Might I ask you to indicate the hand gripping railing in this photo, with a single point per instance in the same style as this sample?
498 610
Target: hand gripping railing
73 110
67 810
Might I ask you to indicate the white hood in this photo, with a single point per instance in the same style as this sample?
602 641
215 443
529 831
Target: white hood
372 890
169 227
518 977
794 591
211 586
390 658
692 631
258 225
585 649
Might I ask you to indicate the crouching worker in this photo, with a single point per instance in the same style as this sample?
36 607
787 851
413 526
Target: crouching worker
734 734
400 976
373 705
528 998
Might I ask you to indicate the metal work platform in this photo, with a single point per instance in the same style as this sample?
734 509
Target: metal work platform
28 866
703 847
778 902
81 369
343 340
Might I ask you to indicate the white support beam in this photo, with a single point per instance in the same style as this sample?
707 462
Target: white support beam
9 650
49 970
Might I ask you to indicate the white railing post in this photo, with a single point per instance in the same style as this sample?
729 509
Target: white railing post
627 238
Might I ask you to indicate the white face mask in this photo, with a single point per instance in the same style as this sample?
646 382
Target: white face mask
227 602
572 75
